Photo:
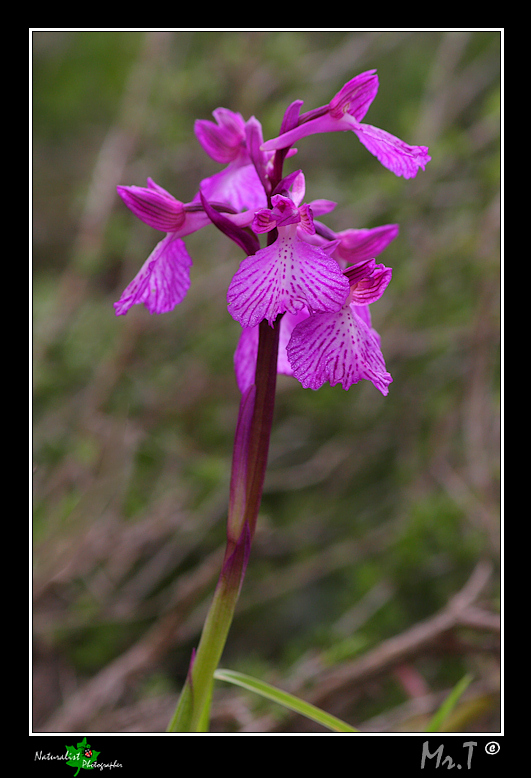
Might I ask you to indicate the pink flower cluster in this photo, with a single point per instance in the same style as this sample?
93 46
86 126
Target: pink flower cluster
321 283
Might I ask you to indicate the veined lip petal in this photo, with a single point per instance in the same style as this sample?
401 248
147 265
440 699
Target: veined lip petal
338 347
286 276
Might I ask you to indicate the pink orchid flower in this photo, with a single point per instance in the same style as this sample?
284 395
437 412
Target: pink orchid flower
341 346
345 112
164 279
287 276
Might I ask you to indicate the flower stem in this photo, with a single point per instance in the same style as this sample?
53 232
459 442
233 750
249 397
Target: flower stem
265 382
192 712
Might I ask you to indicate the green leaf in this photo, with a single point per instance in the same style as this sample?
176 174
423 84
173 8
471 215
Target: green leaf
439 718
283 698
77 758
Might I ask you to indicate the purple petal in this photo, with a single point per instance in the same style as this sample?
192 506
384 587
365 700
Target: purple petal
358 245
263 221
356 96
320 207
353 99
306 220
154 206
323 123
284 211
245 358
247 350
294 184
369 289
399 157
223 141
339 348
237 185
291 116
364 312
360 271
152 185
285 276
254 139
329 247
163 280
287 325
396 155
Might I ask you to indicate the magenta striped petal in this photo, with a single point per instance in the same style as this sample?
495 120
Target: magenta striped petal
221 141
355 97
398 157
345 112
237 185
325 123
357 245
369 290
154 206
285 276
368 281
337 347
163 280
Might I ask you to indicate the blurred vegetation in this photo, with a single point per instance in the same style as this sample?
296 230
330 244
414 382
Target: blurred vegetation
376 510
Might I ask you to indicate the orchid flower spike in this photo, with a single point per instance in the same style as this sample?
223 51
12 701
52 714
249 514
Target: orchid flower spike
345 112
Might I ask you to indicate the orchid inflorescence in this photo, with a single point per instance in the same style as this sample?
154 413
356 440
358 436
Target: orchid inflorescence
302 301
320 282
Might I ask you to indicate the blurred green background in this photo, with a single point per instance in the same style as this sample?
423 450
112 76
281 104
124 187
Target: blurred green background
376 510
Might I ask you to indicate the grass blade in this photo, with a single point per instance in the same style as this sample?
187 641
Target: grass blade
284 699
448 705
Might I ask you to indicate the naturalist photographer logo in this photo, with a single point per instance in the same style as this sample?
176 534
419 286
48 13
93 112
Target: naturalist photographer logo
81 757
